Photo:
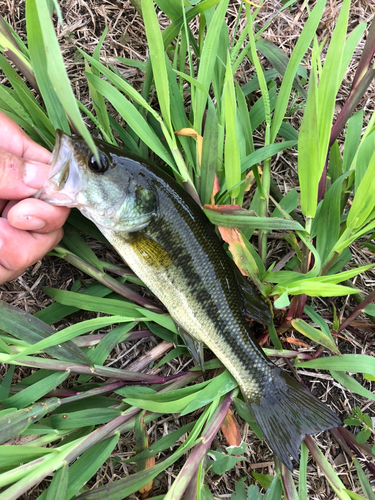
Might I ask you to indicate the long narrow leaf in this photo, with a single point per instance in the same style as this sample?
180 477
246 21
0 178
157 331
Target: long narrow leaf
32 330
207 63
299 50
157 56
309 171
130 113
57 72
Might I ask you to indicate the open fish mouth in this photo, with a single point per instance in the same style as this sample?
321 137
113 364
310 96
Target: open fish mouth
64 180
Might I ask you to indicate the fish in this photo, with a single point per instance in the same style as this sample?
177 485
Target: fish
164 236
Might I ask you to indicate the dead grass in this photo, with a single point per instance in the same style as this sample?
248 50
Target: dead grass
84 22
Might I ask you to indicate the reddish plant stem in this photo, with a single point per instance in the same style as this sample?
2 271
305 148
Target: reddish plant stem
292 369
89 340
356 332
301 305
199 452
347 442
94 392
318 352
341 441
370 298
292 309
349 437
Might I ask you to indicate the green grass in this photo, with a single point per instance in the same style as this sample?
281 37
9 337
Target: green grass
82 418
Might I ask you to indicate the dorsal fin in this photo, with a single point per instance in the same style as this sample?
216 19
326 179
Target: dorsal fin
254 304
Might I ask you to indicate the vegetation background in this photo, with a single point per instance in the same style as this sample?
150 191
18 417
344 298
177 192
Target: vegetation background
84 24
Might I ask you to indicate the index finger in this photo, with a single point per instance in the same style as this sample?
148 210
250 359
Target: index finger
14 140
19 178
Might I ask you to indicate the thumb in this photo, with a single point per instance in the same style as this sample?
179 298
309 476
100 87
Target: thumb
20 178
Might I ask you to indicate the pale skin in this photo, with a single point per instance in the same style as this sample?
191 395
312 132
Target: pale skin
29 228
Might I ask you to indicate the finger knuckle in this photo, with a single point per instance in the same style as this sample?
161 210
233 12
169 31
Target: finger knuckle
8 166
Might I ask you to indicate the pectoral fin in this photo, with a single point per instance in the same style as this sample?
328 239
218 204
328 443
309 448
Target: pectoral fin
151 252
194 346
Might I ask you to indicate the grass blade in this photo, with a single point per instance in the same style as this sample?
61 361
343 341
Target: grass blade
262 154
191 465
39 63
314 334
56 71
209 154
364 200
326 468
7 379
157 57
232 164
354 363
32 330
329 219
207 63
35 391
70 333
233 216
73 241
352 385
125 487
329 81
279 61
84 468
16 51
366 486
217 387
309 171
132 116
59 485
298 52
302 483
13 424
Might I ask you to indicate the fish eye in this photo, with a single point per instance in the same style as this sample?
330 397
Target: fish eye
98 167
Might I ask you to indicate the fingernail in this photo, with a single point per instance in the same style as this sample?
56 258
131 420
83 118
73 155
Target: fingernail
32 223
34 174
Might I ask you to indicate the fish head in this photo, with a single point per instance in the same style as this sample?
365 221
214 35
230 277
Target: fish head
113 192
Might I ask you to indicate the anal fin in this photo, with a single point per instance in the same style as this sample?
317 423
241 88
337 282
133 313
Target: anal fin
194 346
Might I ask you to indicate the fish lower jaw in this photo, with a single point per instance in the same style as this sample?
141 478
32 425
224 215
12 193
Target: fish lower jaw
57 198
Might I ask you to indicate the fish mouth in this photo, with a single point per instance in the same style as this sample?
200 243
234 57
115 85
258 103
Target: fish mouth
64 179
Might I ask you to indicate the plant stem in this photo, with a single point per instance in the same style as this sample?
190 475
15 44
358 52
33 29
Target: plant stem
191 465
100 371
326 468
370 298
263 211
277 194
92 340
106 280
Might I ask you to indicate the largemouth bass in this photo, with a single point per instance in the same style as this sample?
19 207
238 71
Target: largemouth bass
165 237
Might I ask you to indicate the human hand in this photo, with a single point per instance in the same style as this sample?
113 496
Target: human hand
29 228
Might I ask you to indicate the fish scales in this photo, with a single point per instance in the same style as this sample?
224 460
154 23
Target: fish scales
168 241
187 268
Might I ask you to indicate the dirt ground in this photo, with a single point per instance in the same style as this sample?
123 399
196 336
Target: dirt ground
84 22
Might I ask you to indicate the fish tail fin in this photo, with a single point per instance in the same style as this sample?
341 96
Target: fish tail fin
287 412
